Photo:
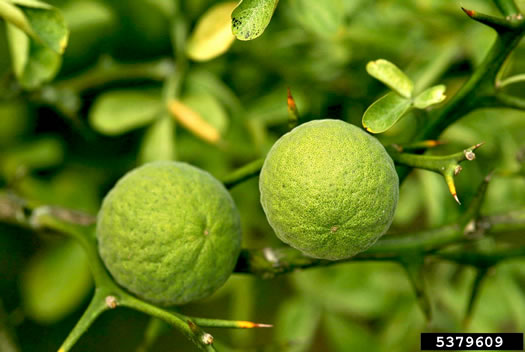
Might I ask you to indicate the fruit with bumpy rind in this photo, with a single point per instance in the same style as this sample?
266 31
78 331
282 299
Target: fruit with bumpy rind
169 233
329 189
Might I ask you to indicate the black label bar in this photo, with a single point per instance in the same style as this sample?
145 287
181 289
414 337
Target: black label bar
471 341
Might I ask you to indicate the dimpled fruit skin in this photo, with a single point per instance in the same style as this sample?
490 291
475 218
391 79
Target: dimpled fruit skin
169 232
329 189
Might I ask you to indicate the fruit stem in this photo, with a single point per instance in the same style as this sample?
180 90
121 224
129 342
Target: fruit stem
186 326
243 173
96 307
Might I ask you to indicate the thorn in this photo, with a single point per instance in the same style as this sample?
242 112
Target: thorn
251 325
111 302
293 113
470 227
489 176
457 170
433 143
469 13
449 179
291 101
192 326
397 147
207 339
478 145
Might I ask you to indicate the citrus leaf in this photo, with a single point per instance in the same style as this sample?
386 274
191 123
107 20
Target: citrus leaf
297 321
251 17
31 3
392 76
430 96
212 35
37 154
117 112
385 112
55 282
15 16
159 141
209 108
41 21
193 122
49 26
33 62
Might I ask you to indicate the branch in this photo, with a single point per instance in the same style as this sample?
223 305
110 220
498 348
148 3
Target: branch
270 262
479 85
447 165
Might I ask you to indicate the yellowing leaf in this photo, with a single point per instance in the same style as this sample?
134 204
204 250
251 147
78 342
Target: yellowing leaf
212 35
192 121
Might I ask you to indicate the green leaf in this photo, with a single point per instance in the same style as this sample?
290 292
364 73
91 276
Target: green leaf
38 154
36 60
430 96
39 20
55 282
49 26
297 320
15 16
385 112
32 3
117 112
212 35
392 76
159 141
345 335
251 17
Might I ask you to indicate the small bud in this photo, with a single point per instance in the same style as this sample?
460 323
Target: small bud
470 155
470 228
111 302
270 256
207 339
457 170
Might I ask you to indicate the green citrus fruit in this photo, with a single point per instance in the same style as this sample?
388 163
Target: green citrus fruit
169 232
329 189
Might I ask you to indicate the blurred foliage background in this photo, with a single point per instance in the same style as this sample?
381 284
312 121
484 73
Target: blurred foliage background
55 148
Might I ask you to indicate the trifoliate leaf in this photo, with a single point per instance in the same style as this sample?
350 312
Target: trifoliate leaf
392 76
430 96
385 112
